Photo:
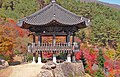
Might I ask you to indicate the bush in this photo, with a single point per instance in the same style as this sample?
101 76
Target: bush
99 73
16 52
62 56
5 57
44 60
29 57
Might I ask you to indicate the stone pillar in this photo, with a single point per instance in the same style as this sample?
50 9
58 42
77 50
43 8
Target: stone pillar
69 57
33 58
54 58
39 57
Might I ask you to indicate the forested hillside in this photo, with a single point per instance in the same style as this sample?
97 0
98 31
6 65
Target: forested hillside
103 3
17 8
104 31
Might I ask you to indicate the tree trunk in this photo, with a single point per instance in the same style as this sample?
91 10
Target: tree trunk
12 5
1 2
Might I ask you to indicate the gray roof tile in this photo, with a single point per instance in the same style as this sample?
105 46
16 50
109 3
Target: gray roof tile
56 13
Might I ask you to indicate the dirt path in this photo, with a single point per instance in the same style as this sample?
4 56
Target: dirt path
5 72
25 70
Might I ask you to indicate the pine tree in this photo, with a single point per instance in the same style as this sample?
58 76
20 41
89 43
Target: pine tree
99 73
100 59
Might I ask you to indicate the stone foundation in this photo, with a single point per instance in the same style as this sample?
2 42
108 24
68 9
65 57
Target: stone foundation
65 69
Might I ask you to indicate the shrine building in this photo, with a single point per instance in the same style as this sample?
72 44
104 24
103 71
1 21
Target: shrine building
53 21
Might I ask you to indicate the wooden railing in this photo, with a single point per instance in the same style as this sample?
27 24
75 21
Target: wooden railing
59 47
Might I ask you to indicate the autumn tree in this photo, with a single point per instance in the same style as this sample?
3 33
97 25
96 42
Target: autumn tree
83 60
11 39
7 40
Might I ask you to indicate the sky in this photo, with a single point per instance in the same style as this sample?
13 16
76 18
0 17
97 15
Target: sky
111 1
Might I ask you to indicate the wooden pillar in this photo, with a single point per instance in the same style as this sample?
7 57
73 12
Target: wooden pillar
54 40
68 37
34 51
68 42
73 57
73 53
33 38
39 39
39 52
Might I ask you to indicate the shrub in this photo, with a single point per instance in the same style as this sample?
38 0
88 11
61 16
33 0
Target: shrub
99 73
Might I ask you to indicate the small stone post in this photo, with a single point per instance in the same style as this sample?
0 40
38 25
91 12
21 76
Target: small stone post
39 57
54 58
69 57
33 58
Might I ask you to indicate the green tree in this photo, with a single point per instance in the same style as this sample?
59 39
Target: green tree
100 59
18 8
99 73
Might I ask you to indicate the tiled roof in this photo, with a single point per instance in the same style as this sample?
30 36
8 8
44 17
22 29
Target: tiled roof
53 13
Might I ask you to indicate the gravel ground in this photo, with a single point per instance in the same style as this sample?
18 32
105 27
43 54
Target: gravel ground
26 70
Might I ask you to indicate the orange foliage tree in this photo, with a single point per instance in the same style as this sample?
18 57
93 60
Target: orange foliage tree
7 40
12 38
